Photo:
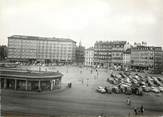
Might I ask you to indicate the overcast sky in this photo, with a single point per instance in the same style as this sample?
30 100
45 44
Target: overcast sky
85 20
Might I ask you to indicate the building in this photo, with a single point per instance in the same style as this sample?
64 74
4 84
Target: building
102 53
162 63
127 59
140 44
3 52
109 53
146 57
80 51
89 57
29 81
32 48
118 48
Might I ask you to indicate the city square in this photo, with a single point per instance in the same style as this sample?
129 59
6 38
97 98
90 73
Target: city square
79 100
81 58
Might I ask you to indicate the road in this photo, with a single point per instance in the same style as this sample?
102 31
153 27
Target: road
81 99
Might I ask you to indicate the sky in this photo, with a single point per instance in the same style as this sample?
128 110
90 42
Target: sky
87 21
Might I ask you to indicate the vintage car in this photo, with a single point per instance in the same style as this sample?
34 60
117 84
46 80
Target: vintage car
160 88
115 89
155 90
146 88
156 81
100 89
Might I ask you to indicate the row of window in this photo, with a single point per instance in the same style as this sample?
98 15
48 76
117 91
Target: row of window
42 57
89 63
142 57
39 41
109 46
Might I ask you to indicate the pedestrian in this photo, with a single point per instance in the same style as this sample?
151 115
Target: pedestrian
129 114
128 101
135 111
141 109
70 84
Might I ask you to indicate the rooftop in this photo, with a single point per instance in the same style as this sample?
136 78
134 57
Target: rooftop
28 74
147 48
90 48
41 38
110 42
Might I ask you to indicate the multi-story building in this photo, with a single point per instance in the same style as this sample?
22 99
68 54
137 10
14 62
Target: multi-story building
162 63
89 57
118 48
80 51
102 53
3 52
22 48
109 53
127 59
146 57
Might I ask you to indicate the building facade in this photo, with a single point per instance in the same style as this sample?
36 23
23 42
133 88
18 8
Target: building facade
89 57
162 63
41 49
80 51
3 52
109 53
146 57
127 59
102 53
117 51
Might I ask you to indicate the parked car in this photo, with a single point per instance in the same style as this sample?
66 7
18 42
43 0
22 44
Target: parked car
101 89
122 74
155 90
115 89
134 81
142 83
118 76
156 81
127 73
160 79
160 88
128 91
127 80
137 77
145 88
110 80
108 90
150 82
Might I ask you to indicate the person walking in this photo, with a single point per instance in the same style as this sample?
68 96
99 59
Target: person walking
128 101
70 84
141 109
135 111
82 81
